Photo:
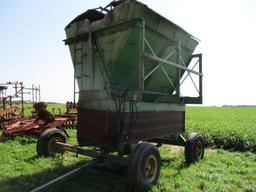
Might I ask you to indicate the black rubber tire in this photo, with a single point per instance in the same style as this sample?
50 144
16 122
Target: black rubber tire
194 149
47 138
137 166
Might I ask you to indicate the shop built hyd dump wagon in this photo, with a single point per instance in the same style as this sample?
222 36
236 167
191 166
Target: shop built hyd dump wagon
130 63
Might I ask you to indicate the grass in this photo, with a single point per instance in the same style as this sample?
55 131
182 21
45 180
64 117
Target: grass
22 170
219 171
228 127
19 164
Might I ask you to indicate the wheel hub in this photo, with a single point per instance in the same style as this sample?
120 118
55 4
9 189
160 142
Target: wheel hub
51 144
150 168
199 149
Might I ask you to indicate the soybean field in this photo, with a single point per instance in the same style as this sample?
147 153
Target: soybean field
231 128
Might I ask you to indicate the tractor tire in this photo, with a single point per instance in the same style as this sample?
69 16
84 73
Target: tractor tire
144 166
45 143
194 148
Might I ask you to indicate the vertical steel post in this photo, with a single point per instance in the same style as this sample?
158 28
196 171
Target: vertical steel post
200 78
36 94
22 98
39 93
33 93
178 57
15 86
74 99
142 67
10 101
75 65
4 102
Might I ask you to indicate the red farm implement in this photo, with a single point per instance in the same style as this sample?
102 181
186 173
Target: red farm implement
37 123
9 114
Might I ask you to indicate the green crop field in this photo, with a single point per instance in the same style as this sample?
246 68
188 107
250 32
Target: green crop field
22 170
225 127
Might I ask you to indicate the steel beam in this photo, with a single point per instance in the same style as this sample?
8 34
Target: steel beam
77 150
159 60
63 178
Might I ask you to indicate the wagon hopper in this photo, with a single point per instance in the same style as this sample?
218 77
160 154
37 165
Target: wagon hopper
129 64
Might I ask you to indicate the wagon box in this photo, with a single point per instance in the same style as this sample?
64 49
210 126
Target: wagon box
130 64
129 58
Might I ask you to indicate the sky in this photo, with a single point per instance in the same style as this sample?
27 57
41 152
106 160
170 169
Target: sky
32 50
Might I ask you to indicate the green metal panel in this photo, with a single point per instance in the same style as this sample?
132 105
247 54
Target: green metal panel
120 47
163 36
108 53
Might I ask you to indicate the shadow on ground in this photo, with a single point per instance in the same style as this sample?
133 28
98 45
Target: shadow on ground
105 177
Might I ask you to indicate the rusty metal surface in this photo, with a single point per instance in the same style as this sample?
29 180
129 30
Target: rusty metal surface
71 107
33 126
9 114
93 128
37 123
19 91
102 127
91 15
153 124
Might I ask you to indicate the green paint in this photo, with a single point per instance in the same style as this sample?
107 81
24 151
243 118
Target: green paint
118 60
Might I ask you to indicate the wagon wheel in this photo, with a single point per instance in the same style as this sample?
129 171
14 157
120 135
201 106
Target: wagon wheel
144 166
194 149
46 142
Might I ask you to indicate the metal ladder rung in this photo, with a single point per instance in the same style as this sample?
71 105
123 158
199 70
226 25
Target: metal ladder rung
81 76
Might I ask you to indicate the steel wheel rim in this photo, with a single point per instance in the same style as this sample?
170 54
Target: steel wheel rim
51 144
151 168
199 150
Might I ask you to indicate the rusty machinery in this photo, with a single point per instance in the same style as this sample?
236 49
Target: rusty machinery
37 123
7 110
12 119
18 93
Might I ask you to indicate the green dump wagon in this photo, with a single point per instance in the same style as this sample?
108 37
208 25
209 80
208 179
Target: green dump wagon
129 64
